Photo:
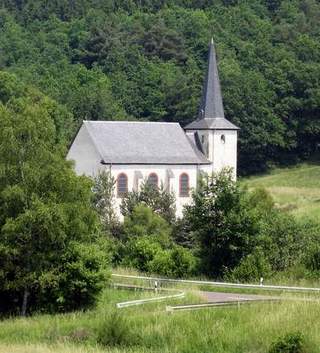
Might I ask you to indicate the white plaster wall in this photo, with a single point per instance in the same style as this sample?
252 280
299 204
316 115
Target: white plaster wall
161 171
88 162
84 154
224 154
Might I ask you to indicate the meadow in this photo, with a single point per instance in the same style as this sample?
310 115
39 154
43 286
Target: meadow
295 189
149 328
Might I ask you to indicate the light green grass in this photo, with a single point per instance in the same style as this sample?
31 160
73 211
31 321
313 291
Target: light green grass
295 189
248 329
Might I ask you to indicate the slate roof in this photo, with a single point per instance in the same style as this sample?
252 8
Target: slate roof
128 142
211 112
214 124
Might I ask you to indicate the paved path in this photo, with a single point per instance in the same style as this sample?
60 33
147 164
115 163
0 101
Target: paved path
218 297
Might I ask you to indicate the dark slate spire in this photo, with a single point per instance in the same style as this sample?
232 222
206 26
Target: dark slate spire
211 106
211 112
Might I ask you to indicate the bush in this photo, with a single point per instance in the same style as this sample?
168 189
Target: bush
177 262
312 258
184 262
290 343
144 222
161 201
251 268
115 330
140 252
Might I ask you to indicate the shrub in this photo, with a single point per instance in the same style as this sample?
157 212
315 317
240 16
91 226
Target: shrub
139 252
161 201
144 222
251 268
184 262
147 255
290 343
162 263
312 258
84 270
115 330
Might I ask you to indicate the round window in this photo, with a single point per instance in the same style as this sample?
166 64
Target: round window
223 139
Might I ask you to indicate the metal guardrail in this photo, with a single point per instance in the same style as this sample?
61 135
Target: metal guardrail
145 301
172 308
222 284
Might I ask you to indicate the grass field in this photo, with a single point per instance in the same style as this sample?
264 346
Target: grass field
149 328
295 189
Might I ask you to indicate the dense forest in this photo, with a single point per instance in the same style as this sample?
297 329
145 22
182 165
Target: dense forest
143 59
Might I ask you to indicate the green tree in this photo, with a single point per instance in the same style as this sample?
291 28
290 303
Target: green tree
161 201
104 198
224 222
49 231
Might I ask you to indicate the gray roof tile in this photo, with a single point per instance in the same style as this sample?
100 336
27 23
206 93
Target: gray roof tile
128 142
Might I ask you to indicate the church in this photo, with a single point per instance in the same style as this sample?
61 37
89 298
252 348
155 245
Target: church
161 153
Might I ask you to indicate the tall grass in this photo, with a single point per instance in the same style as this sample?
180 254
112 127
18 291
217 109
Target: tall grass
250 328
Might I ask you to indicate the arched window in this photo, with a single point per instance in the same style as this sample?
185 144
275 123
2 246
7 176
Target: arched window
184 185
153 179
122 184
223 139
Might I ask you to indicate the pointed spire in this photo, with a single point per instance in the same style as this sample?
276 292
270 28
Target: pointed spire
211 106
211 113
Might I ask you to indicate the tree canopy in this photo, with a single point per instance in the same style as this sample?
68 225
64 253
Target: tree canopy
49 233
146 60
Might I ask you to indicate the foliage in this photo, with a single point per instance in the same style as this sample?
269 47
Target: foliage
49 259
251 268
177 262
144 222
150 248
146 60
104 199
161 201
290 343
224 221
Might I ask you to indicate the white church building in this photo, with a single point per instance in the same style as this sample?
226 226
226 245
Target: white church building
160 153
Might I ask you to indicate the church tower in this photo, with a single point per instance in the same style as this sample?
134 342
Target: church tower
217 135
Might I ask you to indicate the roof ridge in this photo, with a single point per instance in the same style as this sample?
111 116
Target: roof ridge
129 122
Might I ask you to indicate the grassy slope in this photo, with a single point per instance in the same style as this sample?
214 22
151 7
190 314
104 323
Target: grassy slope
295 189
230 330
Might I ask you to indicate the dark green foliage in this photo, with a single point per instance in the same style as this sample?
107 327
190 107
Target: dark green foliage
161 201
177 262
146 60
290 343
251 268
50 259
312 258
103 201
150 248
224 221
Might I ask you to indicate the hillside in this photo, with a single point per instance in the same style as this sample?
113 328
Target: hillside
145 60
296 189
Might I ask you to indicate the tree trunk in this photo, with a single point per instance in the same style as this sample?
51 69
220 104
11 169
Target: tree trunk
24 302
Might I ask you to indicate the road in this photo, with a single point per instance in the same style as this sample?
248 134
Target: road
218 297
